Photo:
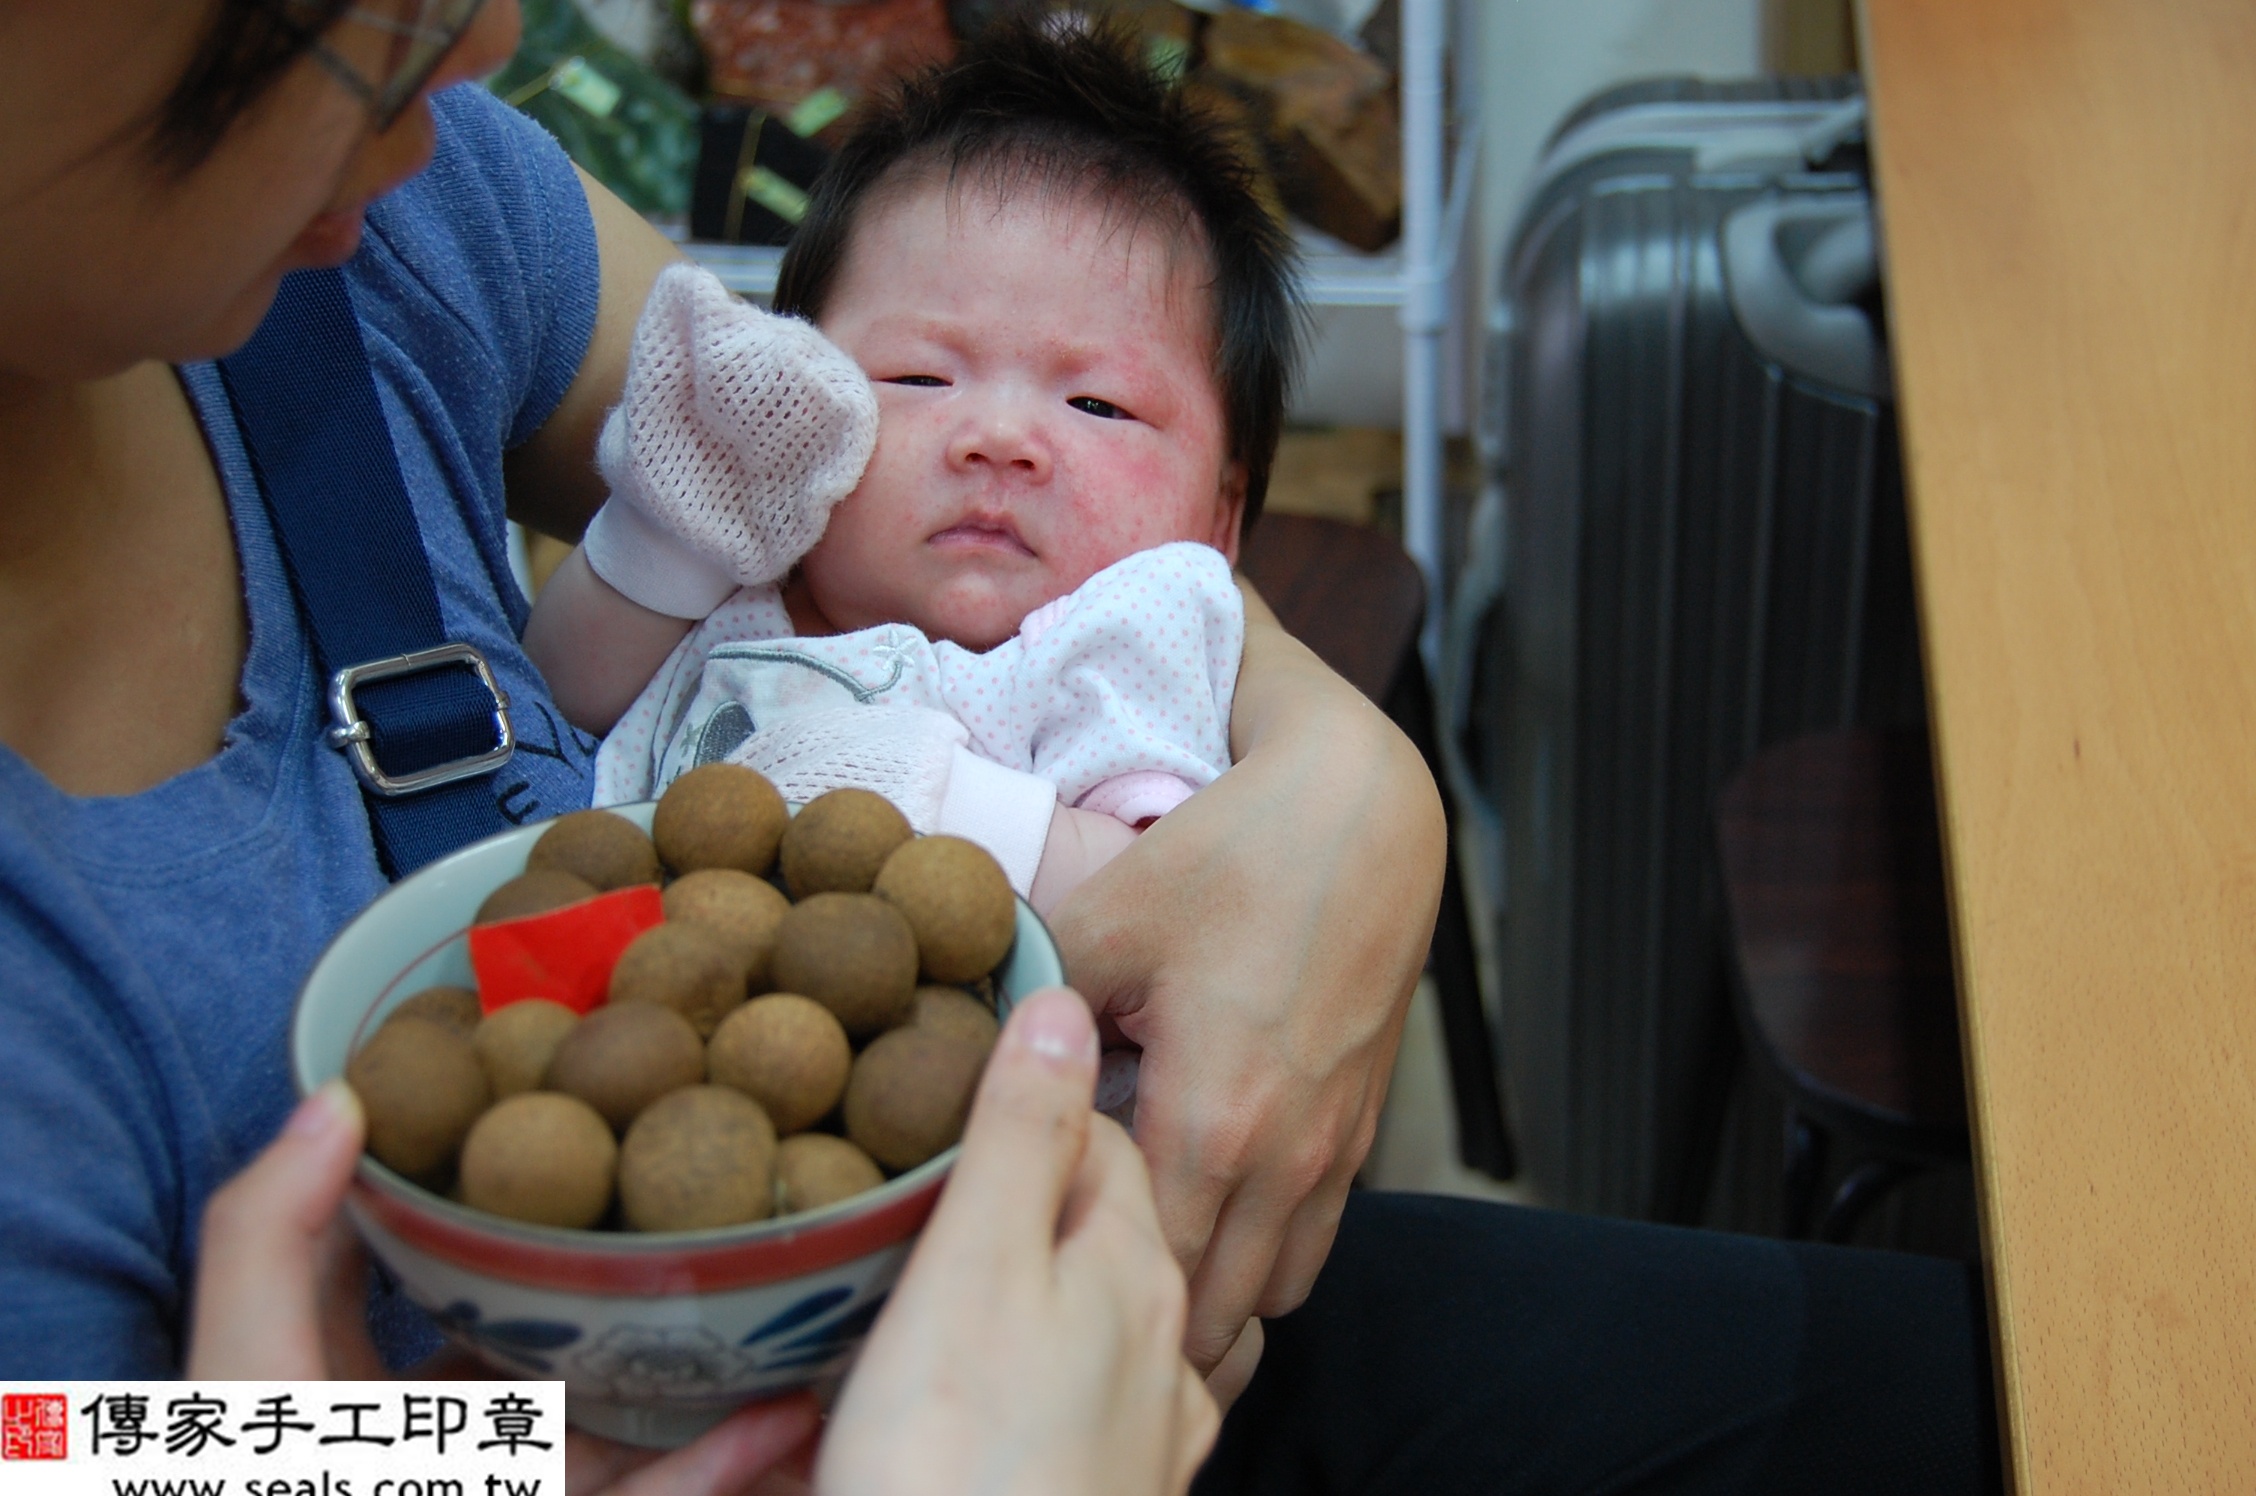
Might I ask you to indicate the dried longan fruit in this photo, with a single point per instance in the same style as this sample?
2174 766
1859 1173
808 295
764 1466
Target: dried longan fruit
719 815
852 952
958 901
786 1052
620 1059
703 1156
685 967
456 1008
955 1012
517 1041
534 892
421 1087
838 841
597 847
815 1169
909 1095
741 909
541 1157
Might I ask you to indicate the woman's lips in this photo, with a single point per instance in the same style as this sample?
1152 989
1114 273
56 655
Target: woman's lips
974 535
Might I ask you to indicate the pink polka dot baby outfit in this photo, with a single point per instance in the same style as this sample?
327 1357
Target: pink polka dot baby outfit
1117 694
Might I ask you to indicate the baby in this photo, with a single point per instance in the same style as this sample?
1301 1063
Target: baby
1018 621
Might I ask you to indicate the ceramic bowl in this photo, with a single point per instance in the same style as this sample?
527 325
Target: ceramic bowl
656 1336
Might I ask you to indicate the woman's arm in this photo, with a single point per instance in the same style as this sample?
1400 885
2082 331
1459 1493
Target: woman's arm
1261 943
596 648
553 485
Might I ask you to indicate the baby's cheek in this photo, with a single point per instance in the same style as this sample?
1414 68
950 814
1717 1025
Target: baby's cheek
846 572
1145 499
882 509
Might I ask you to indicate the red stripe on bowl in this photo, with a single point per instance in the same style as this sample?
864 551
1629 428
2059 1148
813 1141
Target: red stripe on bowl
649 1273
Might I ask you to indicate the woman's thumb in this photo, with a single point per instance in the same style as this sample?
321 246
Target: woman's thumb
259 1268
1029 1124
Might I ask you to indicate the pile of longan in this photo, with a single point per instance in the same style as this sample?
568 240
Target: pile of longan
741 1036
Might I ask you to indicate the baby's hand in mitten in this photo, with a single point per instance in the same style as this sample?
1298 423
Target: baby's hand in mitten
918 759
904 753
738 432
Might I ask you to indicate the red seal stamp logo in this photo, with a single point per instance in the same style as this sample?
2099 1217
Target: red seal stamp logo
34 1426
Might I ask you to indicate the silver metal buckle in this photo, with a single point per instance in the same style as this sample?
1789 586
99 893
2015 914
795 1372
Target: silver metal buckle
351 732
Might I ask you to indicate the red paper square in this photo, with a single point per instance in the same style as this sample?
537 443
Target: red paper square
565 955
34 1426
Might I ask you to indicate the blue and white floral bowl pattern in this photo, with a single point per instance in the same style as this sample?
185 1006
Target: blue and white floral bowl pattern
657 1337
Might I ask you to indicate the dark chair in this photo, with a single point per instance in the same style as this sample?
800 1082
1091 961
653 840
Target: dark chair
1355 598
1841 962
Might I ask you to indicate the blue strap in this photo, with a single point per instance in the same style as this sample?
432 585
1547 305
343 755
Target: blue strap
306 401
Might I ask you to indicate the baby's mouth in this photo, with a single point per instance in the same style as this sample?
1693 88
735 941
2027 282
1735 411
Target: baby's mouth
999 537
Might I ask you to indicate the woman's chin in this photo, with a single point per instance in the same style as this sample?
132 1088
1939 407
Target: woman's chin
230 329
328 241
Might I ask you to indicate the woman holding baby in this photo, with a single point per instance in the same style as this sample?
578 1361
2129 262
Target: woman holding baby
177 840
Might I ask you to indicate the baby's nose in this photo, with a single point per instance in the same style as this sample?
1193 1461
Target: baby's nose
1002 435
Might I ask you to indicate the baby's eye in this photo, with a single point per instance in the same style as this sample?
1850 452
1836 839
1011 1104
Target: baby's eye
921 381
1090 405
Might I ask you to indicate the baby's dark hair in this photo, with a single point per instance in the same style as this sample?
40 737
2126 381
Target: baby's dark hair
1072 107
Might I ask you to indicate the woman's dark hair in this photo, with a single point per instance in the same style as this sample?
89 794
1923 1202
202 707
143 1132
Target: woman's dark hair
248 45
1073 108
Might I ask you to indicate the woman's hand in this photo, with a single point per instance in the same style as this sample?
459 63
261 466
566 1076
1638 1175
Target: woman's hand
1261 943
280 1279
281 1294
1035 1342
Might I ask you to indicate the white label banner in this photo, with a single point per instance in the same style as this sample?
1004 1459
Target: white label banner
282 1438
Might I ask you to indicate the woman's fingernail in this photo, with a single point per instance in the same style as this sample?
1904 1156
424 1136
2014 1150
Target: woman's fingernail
322 1113
1056 1026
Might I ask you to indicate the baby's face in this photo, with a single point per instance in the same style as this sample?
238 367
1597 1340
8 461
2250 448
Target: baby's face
1046 407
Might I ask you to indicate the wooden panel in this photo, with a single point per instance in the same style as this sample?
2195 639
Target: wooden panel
1350 594
2069 194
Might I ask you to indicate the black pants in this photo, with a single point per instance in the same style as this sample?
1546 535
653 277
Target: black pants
1456 1346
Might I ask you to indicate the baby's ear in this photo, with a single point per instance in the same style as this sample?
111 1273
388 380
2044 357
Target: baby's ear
1229 511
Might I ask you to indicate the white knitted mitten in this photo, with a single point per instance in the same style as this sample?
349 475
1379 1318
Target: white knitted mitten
904 753
738 432
918 759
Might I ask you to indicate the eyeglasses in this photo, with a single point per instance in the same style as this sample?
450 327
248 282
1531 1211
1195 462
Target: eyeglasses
422 33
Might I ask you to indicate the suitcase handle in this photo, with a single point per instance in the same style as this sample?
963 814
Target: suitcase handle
1839 129
1800 270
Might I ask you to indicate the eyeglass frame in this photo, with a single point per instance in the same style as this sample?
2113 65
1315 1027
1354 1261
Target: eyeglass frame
388 98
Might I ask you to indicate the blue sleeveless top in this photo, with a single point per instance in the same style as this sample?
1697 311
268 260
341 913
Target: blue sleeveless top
151 945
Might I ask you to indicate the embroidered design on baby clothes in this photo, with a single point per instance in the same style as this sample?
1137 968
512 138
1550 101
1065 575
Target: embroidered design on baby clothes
723 733
863 695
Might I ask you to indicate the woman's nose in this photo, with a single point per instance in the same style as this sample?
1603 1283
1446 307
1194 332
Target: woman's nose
1002 434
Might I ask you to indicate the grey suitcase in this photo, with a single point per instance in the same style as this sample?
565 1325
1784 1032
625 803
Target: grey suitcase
1689 544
